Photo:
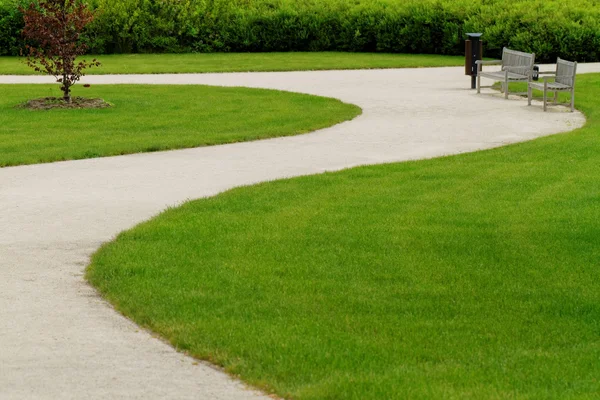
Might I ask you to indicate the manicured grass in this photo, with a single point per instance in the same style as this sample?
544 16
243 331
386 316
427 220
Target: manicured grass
242 62
474 276
151 118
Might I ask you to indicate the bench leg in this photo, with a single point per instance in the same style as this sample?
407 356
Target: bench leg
506 84
529 94
478 83
572 99
545 94
555 97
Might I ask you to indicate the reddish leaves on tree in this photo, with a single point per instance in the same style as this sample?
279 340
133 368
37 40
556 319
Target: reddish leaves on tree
54 27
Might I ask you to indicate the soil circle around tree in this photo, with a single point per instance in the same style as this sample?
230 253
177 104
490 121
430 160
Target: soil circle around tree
49 103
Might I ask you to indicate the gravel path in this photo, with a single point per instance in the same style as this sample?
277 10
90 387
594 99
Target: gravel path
59 340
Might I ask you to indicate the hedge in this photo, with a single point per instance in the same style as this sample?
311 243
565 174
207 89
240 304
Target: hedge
550 28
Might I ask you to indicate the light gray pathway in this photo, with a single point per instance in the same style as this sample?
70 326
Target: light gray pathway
59 340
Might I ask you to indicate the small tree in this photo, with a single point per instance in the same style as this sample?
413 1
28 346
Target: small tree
54 27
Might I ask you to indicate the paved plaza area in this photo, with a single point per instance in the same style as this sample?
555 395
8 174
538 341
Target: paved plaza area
58 339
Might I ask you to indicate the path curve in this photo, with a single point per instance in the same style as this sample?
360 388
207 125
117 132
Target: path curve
59 340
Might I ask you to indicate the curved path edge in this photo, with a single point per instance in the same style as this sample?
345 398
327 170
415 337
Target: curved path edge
58 339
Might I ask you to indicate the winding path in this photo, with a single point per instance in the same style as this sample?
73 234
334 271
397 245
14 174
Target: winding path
59 340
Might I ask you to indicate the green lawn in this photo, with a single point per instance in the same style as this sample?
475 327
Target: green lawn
468 277
151 118
241 62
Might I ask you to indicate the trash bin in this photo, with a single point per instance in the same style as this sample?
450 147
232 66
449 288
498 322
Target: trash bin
473 52
536 73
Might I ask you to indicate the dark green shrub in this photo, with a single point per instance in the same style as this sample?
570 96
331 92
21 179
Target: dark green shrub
11 24
550 28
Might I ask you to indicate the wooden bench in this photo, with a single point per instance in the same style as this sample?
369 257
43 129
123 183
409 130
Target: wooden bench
515 65
563 81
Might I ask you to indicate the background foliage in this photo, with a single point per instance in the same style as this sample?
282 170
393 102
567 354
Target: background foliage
550 28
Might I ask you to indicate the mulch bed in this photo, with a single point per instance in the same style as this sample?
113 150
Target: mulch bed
48 103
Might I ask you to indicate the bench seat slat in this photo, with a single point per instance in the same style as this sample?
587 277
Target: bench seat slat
551 85
501 75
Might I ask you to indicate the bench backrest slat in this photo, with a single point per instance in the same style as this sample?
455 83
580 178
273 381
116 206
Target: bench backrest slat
565 72
518 61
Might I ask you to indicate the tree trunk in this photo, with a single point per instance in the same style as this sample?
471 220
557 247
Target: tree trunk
66 90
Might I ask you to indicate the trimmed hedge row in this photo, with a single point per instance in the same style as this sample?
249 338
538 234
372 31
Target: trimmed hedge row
11 23
550 28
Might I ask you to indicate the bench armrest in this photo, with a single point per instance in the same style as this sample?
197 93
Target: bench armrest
553 78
